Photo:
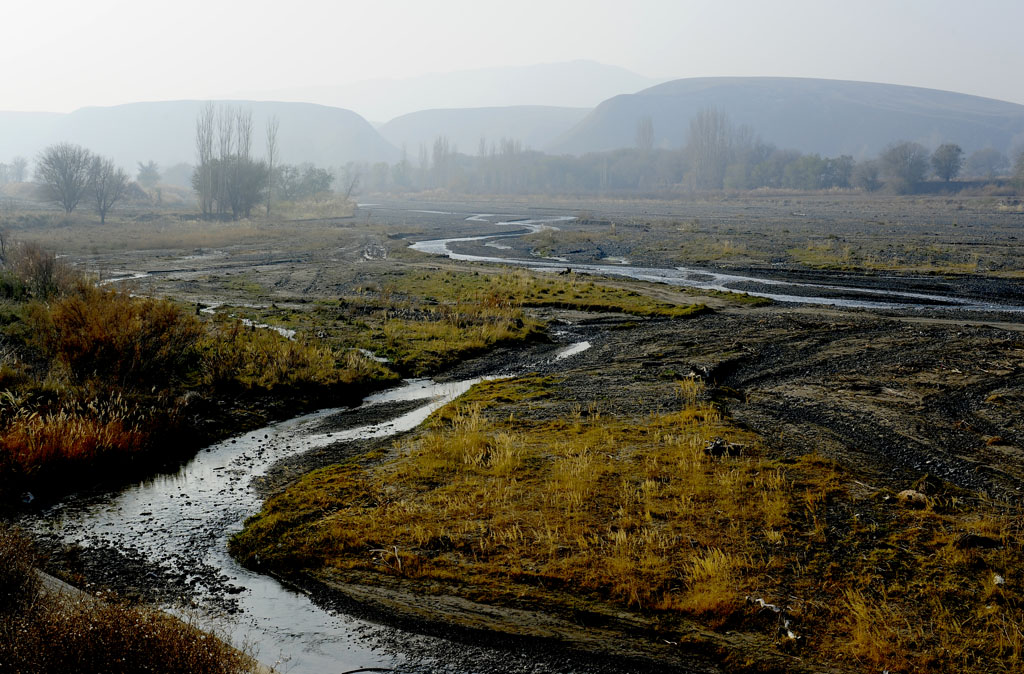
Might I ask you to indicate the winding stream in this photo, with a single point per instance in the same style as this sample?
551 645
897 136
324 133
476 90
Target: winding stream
181 523
704 279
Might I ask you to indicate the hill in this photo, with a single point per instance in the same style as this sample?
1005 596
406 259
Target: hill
534 125
829 117
165 132
572 84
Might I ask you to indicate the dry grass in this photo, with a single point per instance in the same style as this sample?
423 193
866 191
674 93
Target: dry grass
33 443
43 632
634 514
593 509
187 233
519 288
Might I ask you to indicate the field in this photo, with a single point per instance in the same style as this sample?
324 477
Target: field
715 482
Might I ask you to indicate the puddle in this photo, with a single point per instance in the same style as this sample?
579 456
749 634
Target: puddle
571 350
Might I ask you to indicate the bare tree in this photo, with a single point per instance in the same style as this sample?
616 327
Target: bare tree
645 134
351 180
18 169
108 184
272 125
63 170
230 181
709 144
203 178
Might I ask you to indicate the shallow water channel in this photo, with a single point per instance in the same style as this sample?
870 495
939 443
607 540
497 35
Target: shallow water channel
182 522
705 279
180 525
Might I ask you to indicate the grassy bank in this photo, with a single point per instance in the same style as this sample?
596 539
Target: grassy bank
425 321
101 386
43 632
510 498
98 385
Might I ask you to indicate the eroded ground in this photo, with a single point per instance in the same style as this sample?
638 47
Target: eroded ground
853 407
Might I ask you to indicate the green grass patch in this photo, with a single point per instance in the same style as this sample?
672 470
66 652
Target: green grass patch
518 288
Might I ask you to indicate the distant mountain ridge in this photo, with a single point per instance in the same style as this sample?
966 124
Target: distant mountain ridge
570 84
165 132
828 117
535 126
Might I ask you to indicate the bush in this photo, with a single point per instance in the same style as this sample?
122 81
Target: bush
113 338
39 271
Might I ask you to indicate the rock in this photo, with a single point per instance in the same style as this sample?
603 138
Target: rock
912 498
719 448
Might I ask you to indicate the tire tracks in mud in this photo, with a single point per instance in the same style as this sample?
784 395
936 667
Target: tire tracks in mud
891 400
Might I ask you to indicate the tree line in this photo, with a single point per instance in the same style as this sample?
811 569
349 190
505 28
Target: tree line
230 181
718 155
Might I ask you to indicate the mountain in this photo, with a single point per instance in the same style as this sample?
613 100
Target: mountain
572 84
165 132
534 125
829 117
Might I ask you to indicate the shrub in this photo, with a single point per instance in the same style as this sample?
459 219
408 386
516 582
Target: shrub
40 271
124 341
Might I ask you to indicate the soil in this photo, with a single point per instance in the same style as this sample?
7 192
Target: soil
897 403
897 398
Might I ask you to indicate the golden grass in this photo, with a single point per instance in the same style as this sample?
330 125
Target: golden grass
593 503
44 633
592 507
33 442
519 288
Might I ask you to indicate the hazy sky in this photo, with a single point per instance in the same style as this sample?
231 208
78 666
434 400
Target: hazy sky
59 55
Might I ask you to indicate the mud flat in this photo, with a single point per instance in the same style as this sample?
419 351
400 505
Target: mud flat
914 397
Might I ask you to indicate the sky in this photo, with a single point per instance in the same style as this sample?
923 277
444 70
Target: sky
60 55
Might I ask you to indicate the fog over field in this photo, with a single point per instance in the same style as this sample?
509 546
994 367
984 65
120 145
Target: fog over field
573 337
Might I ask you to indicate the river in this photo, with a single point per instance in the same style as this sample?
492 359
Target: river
180 524
790 291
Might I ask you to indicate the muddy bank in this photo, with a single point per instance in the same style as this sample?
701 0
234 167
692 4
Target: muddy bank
895 405
890 401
